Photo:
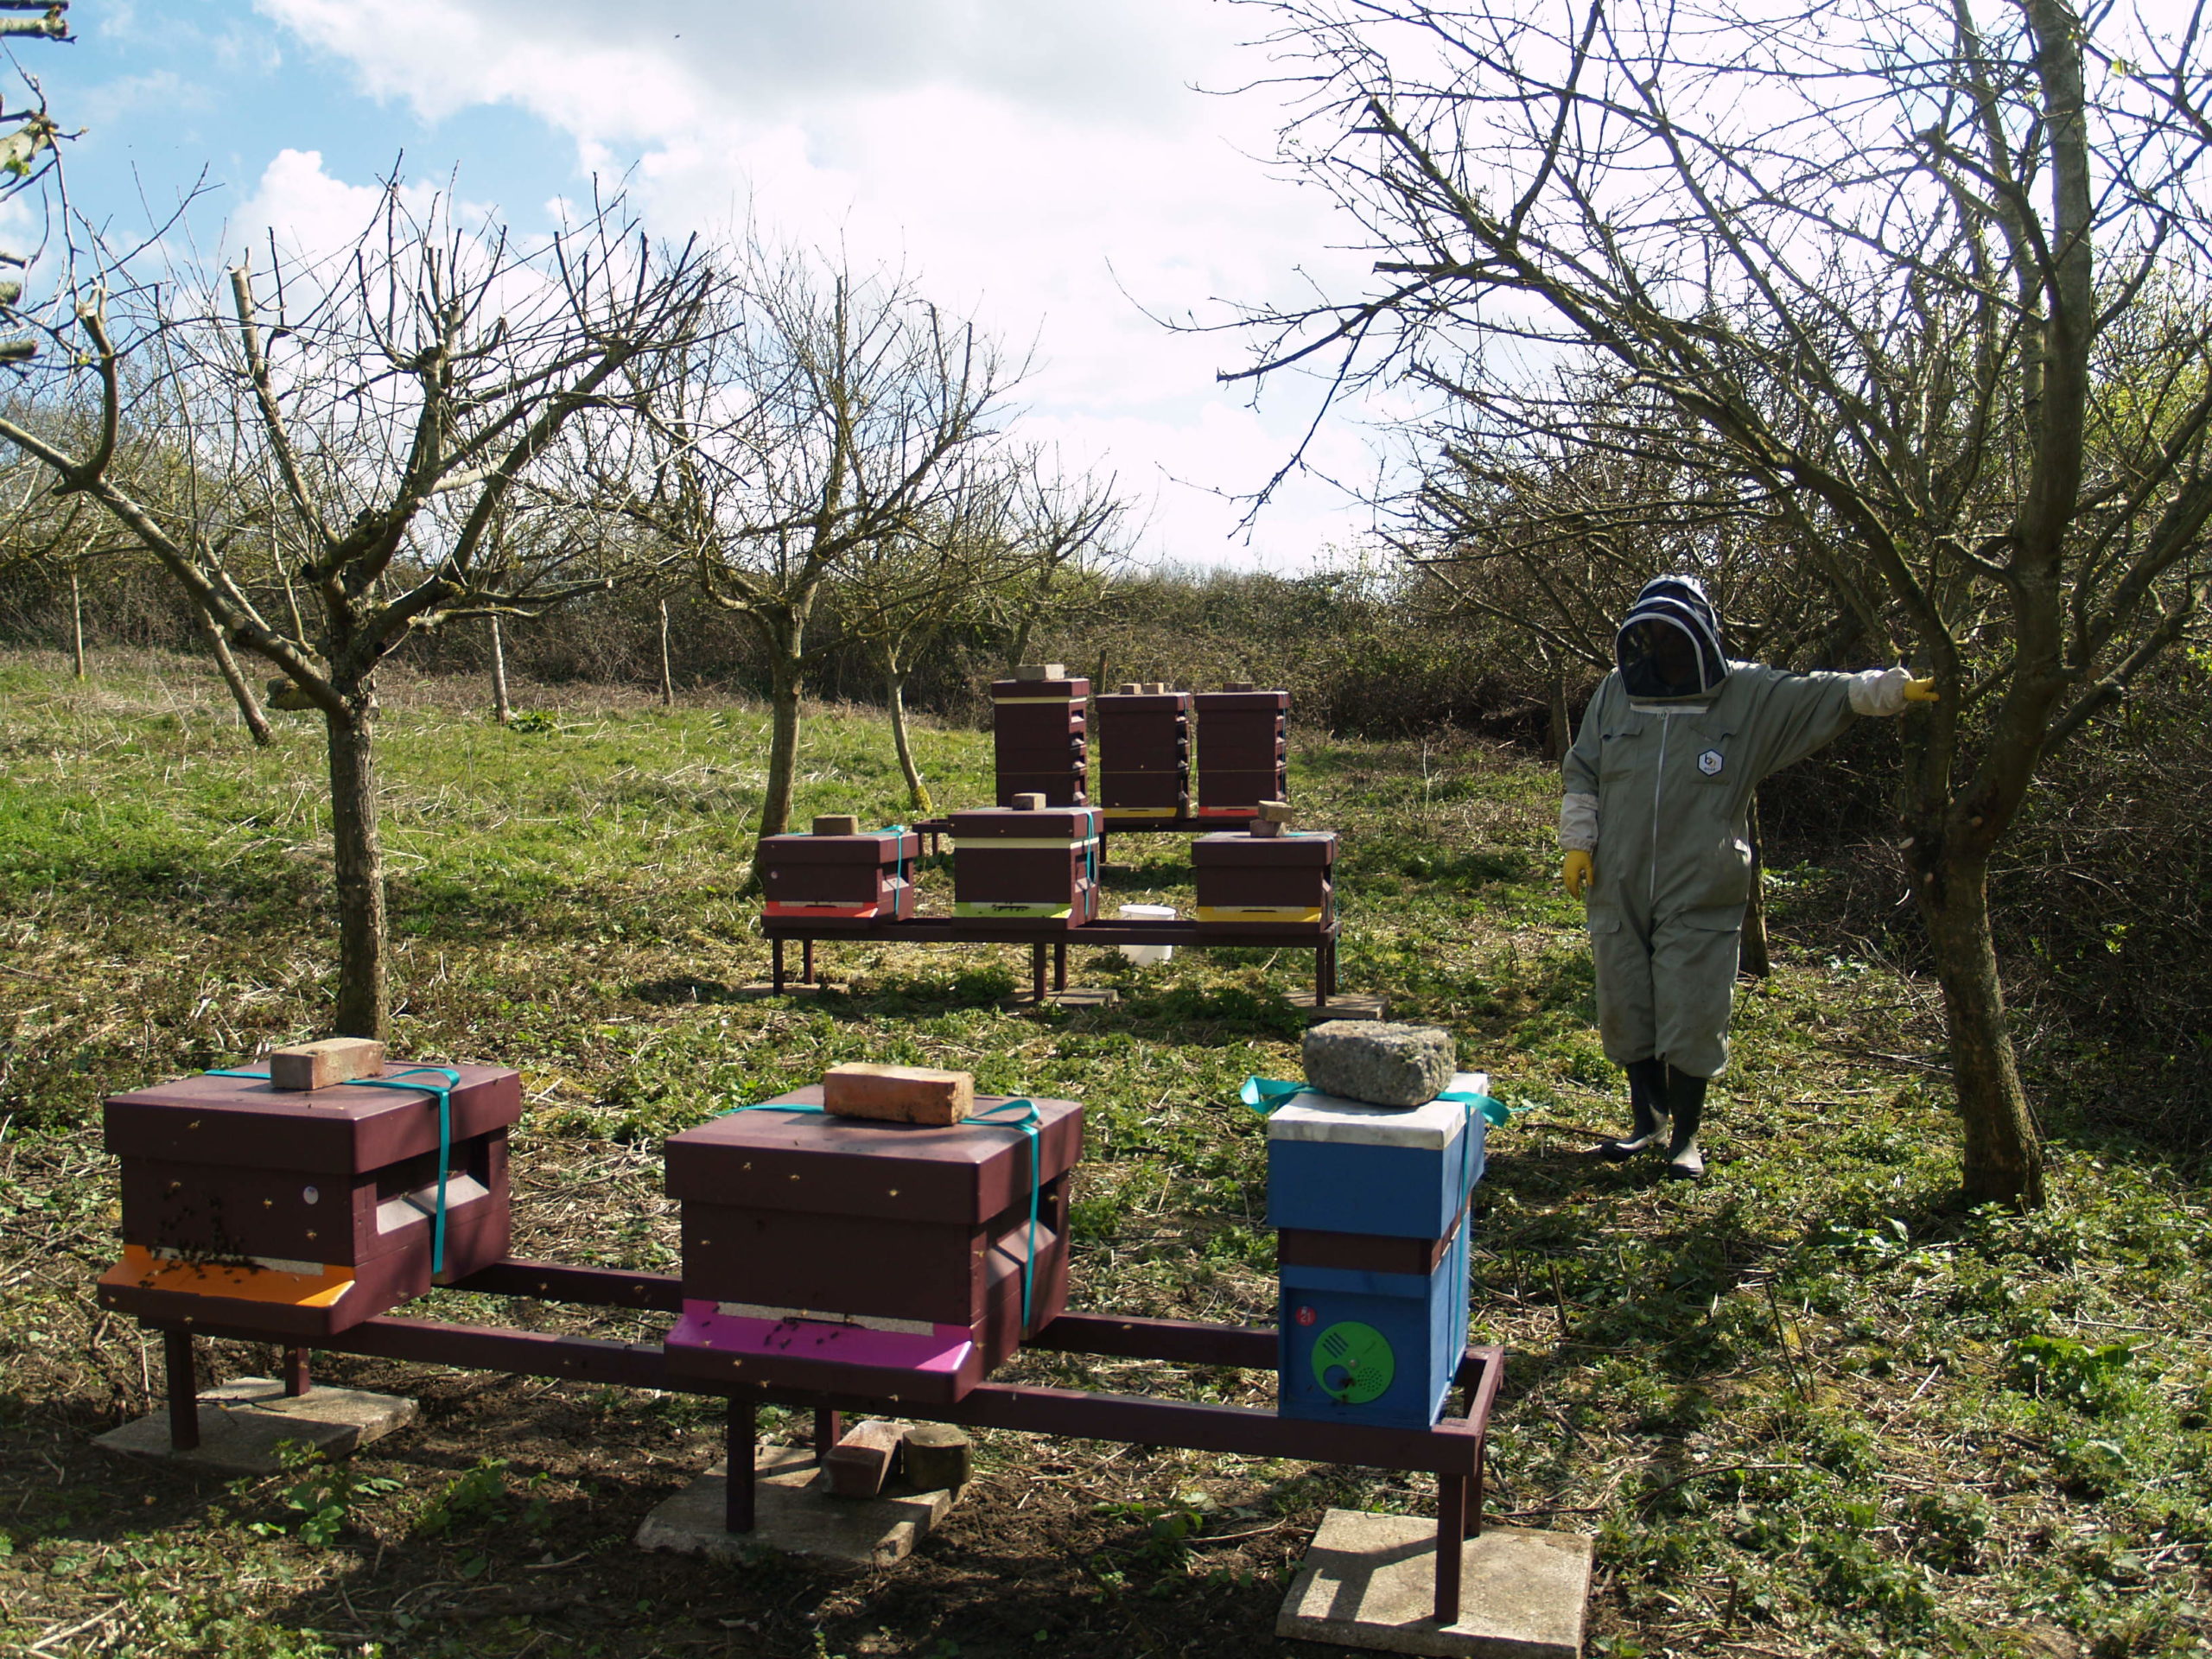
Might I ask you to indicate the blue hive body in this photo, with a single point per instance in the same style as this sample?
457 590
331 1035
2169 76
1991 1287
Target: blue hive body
1353 1185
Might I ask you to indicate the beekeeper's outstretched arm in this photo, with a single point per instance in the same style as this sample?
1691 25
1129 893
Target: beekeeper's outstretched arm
1807 718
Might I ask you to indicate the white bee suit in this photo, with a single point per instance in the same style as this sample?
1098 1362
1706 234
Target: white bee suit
1659 792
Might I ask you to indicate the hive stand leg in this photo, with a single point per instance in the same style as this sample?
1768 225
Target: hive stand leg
1102 847
806 962
1060 966
776 964
1036 972
737 1455
184 1389
296 1380
828 1429
1451 1528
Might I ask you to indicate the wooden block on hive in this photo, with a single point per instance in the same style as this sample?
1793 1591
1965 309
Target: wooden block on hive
836 823
858 1464
1274 811
318 1066
898 1094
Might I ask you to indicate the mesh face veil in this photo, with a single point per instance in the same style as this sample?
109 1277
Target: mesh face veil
1669 642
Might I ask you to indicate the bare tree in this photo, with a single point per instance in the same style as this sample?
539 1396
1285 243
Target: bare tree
906 593
1068 528
1930 279
398 392
819 416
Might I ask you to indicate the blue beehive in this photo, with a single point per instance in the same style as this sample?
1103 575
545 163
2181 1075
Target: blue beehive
1369 1207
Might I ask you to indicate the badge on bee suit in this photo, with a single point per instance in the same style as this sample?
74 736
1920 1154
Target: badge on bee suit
1711 761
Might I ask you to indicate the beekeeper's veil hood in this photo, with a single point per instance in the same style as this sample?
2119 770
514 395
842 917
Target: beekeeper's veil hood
1669 642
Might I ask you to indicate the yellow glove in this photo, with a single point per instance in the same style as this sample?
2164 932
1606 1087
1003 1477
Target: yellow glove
1921 691
1576 874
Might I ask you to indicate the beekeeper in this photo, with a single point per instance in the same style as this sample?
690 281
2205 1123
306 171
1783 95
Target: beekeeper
1658 787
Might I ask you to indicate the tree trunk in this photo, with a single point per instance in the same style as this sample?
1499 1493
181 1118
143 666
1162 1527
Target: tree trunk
785 667
1017 648
667 675
241 693
1753 958
2004 1159
358 867
917 792
502 710
1559 729
77 621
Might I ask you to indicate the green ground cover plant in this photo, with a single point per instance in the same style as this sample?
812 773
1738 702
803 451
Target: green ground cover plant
1812 1406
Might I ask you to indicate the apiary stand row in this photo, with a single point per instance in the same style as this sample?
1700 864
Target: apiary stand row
1321 939
1453 1450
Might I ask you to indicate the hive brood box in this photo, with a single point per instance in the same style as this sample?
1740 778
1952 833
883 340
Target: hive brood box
299 1214
1039 742
850 878
1144 754
1243 750
1015 864
862 1257
1370 1206
1250 883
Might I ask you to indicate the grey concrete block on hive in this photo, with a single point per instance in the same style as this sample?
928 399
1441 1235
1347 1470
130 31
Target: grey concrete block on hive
794 1514
1370 1581
1381 1064
242 1422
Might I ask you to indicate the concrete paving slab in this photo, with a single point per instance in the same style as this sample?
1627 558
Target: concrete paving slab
794 1514
244 1421
1342 1004
1370 1581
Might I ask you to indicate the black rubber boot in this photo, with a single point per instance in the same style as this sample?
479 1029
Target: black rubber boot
1685 1104
1647 1097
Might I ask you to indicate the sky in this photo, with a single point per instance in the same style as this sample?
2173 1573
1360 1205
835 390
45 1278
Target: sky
1055 170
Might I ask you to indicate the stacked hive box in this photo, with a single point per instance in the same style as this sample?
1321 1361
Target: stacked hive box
1243 750
1027 864
1037 732
1144 744
1371 1207
1251 883
298 1214
837 876
863 1258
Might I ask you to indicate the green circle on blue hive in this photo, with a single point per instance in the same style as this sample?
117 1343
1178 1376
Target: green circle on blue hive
1353 1362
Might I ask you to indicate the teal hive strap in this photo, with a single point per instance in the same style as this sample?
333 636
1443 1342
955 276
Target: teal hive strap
988 1118
444 1093
899 830
1263 1095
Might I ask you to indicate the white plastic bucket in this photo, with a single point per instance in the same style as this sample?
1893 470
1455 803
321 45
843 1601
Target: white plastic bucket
1146 955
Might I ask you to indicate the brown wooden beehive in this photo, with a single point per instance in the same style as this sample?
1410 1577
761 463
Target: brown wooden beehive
1040 741
1248 883
1144 755
1017 866
840 877
880 1258
250 1207
1243 749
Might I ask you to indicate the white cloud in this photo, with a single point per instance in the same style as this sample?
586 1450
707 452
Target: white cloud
1025 160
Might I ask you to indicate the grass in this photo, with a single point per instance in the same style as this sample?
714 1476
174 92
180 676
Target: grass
1808 1407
